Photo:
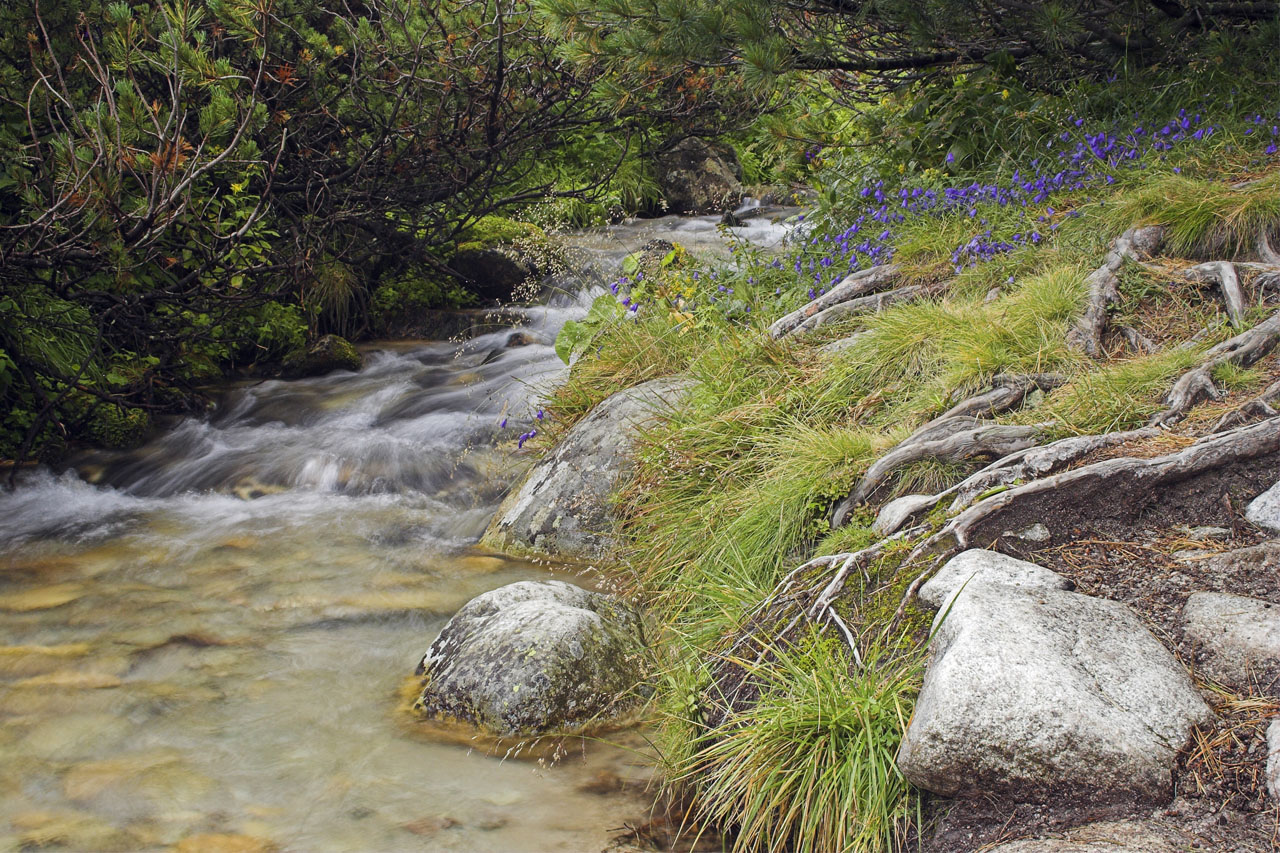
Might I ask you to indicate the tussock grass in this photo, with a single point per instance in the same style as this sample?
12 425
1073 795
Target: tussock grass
1205 217
812 766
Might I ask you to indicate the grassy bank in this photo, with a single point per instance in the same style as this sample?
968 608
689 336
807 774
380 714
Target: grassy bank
733 492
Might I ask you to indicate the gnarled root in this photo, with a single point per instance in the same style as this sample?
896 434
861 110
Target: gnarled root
1018 467
1104 285
1196 384
1119 485
1223 274
853 286
957 435
1259 408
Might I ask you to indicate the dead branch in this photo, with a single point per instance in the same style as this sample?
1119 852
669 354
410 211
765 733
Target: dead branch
853 286
872 304
1104 285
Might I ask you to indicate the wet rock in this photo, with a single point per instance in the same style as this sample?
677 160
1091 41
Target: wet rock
1264 510
1108 837
71 830
37 660
1033 691
326 355
977 567
493 274
534 658
697 176
562 507
1238 637
429 825
520 339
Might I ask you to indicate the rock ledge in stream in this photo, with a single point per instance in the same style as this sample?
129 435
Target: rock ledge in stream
326 355
562 507
533 658
1033 691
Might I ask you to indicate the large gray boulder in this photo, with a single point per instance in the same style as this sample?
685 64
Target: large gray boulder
562 507
535 657
1238 637
1033 691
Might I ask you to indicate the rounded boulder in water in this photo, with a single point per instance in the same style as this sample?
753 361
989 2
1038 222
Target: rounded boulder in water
534 658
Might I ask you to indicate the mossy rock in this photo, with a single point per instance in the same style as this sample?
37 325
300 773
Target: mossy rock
491 231
536 658
496 256
326 355
118 427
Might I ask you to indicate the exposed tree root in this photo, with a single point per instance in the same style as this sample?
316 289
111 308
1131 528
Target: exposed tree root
1256 409
806 596
1138 341
1223 274
972 439
1196 384
1125 483
1104 285
1017 467
957 435
854 286
866 305
1265 251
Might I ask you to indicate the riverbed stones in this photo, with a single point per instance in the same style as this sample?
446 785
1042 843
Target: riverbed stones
1033 691
1264 510
535 657
562 506
1238 637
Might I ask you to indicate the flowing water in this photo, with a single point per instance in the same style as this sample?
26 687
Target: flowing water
209 636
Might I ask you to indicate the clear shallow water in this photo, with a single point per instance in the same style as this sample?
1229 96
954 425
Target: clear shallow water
211 635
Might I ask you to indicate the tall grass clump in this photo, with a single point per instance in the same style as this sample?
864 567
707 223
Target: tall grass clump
811 767
1205 218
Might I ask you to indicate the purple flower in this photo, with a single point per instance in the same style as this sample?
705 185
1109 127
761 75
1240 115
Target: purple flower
503 424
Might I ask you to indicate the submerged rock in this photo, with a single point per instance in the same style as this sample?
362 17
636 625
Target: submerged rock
1238 637
562 507
535 657
1033 691
326 355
